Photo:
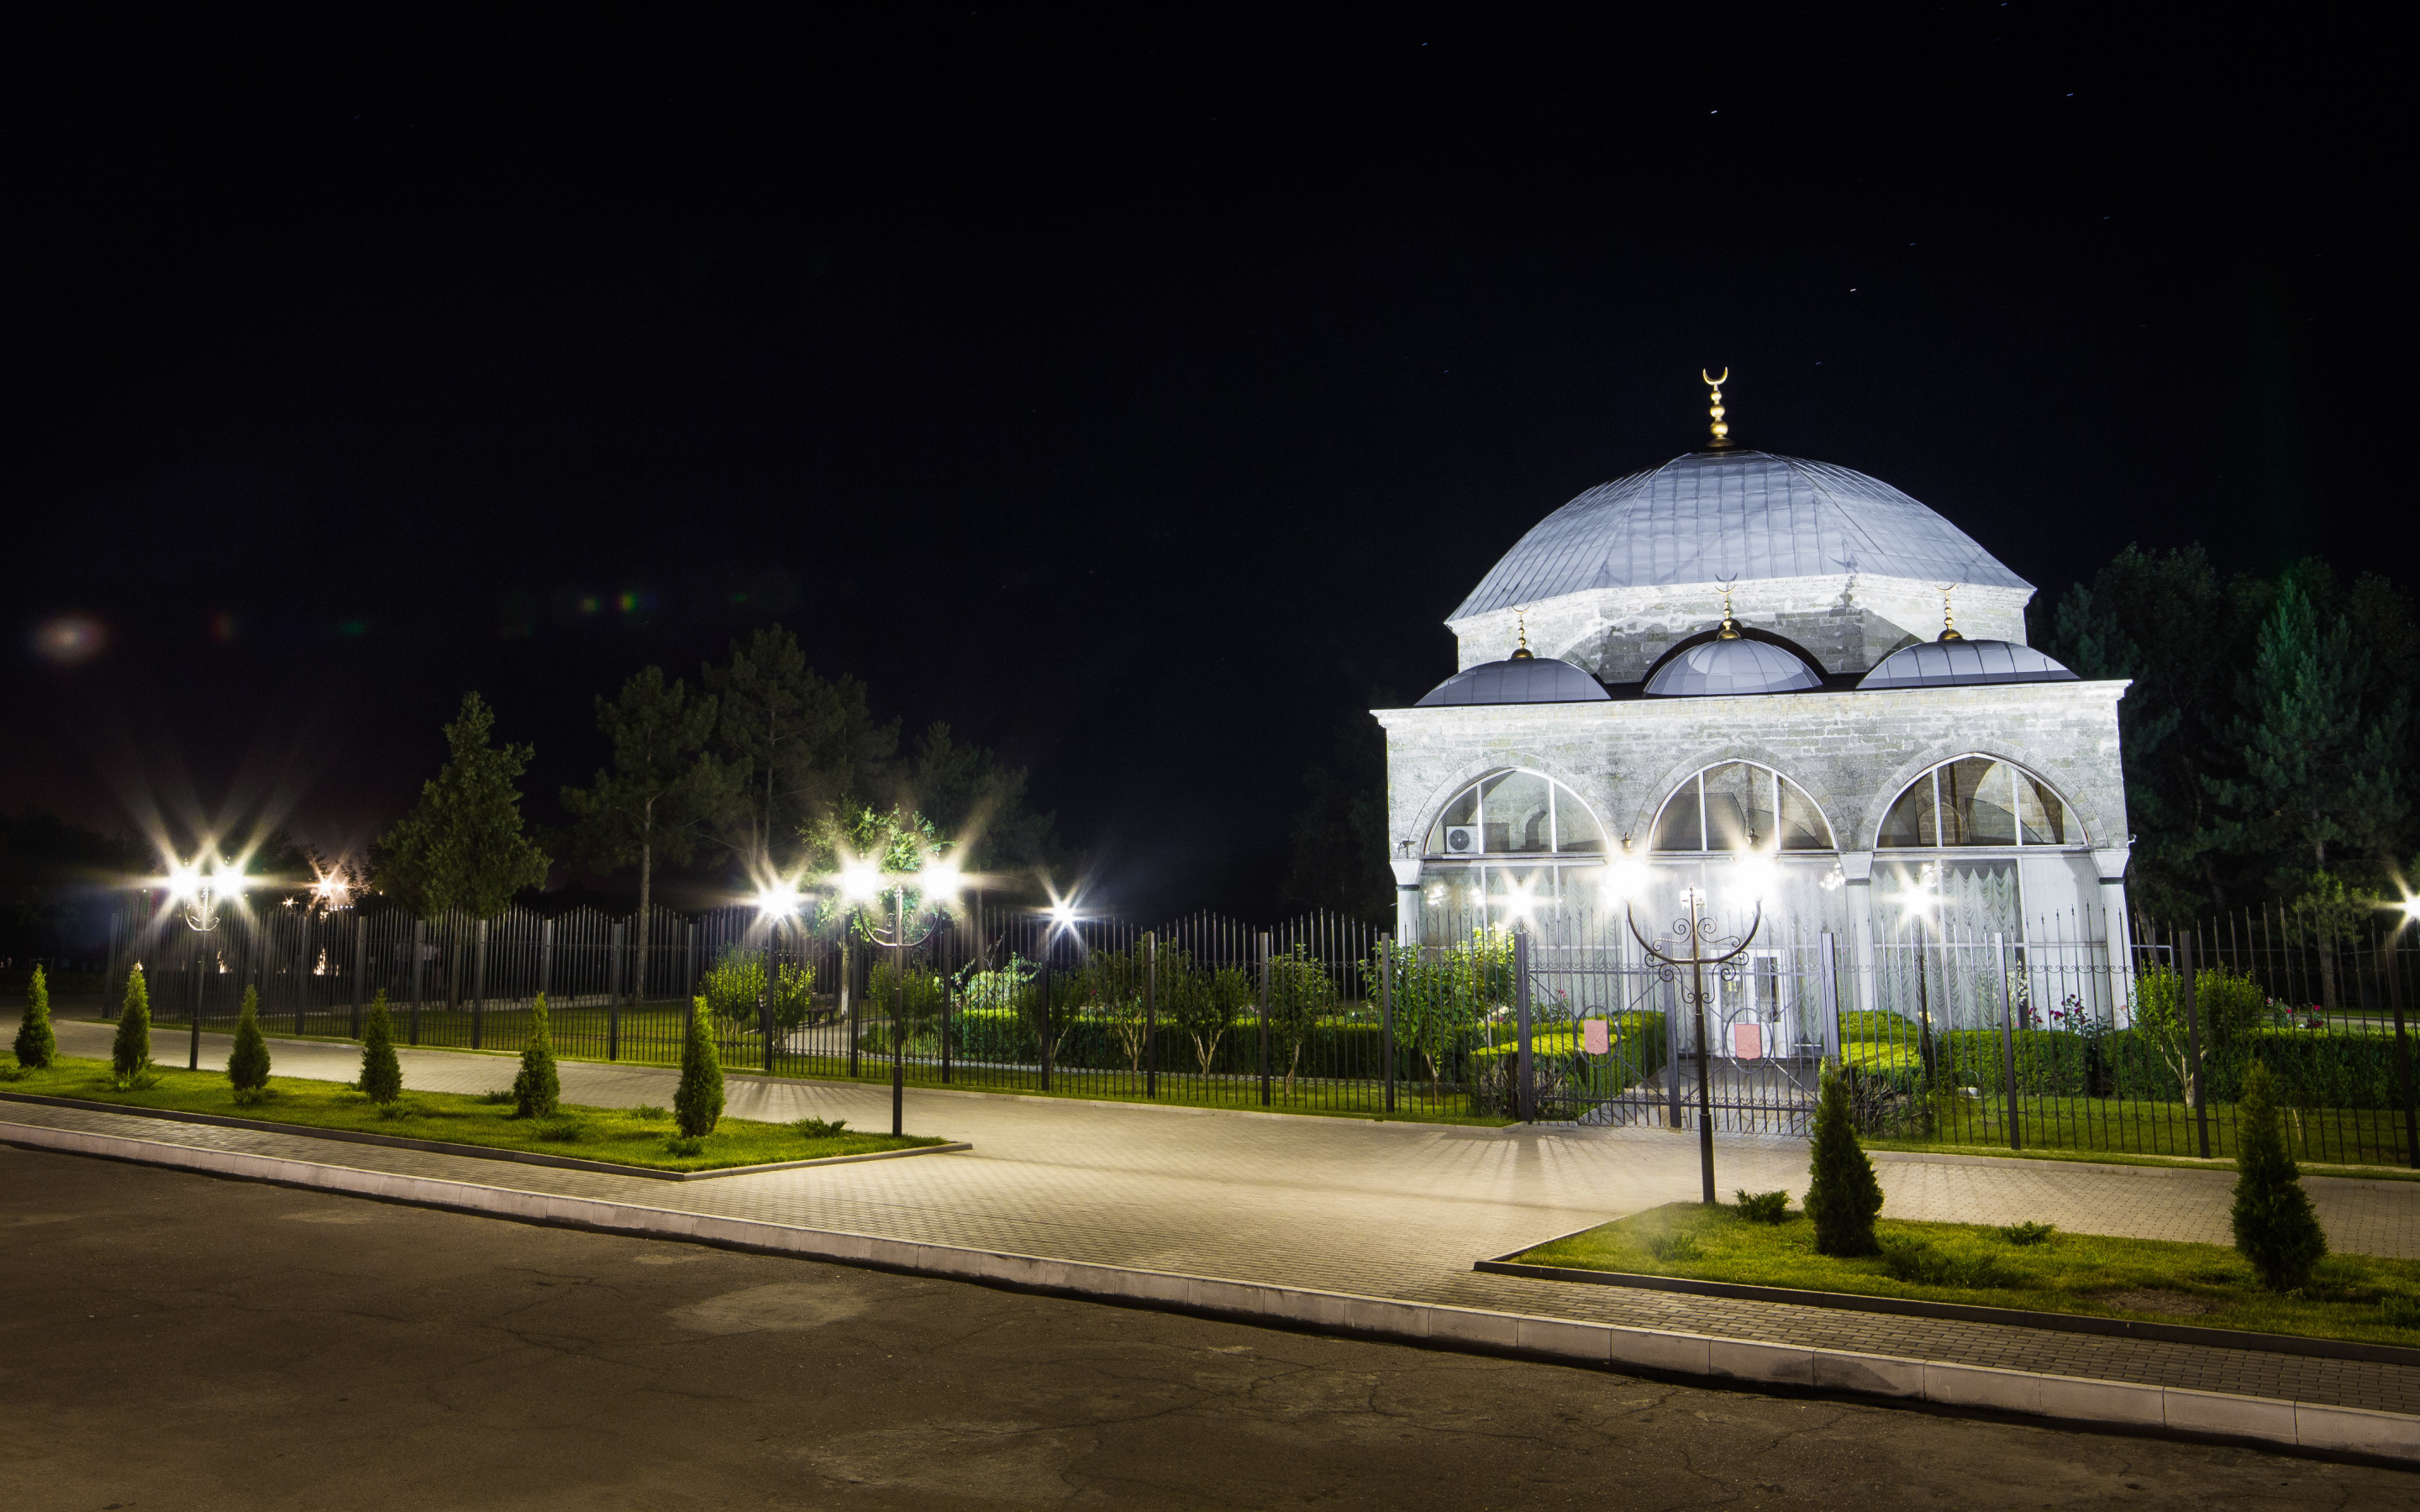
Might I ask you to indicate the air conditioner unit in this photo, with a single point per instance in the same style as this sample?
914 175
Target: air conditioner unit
1462 839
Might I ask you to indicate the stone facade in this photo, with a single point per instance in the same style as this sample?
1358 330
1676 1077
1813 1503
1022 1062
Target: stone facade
1853 752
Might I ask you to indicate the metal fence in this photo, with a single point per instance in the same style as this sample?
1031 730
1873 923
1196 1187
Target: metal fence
2047 1038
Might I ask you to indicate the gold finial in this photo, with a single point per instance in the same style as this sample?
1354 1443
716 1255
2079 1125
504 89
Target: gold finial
1521 653
1948 621
1722 432
1729 631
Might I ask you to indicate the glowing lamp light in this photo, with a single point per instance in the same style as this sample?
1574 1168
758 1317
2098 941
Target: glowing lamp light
775 899
2411 905
1626 878
860 881
941 878
1755 875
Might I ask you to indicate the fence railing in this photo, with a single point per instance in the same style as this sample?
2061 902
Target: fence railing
2045 1038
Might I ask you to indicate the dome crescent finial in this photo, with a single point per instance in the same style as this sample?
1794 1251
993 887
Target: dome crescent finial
1948 621
1521 622
1722 432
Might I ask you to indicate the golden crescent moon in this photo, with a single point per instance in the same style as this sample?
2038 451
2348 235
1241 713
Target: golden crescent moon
1715 382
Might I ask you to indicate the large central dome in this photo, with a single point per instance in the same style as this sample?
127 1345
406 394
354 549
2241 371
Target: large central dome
1714 516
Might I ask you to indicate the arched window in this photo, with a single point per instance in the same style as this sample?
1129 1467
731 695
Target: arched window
1977 801
1739 806
1515 813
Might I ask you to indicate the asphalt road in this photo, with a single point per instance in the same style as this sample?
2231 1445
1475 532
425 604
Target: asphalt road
174 1341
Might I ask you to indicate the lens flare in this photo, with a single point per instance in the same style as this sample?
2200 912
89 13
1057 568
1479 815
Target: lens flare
70 640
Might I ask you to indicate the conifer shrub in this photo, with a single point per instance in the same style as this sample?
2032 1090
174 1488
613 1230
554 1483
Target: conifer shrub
129 1052
38 1044
538 1090
2274 1226
697 1105
1764 1207
382 1073
1842 1195
248 1062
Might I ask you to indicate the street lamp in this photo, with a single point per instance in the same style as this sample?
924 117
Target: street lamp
1706 949
1918 900
933 884
202 887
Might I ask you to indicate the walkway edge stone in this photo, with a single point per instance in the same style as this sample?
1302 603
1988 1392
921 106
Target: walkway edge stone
2065 1398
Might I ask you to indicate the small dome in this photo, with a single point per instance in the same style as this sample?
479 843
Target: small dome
1954 663
1716 667
1519 680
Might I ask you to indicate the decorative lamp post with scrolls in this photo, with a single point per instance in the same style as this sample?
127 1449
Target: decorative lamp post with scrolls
897 906
202 887
1707 948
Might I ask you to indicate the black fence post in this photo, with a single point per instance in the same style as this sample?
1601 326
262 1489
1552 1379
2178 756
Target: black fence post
849 996
2193 1041
2402 1051
1265 1018
1151 1015
479 990
419 955
1386 1015
1525 1094
613 995
949 1001
1046 942
361 965
765 1004
545 953
2007 1044
303 977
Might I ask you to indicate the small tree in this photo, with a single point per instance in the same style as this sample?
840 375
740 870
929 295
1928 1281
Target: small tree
2274 1226
130 1053
464 845
248 1062
538 1090
382 1073
37 1044
1300 995
1842 1195
697 1105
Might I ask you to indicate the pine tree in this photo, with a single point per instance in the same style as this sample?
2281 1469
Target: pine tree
130 1053
537 1091
698 1104
38 1044
248 1062
2274 1226
465 845
1842 1195
382 1073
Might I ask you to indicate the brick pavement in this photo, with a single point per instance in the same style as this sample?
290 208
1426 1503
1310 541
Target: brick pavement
1375 1209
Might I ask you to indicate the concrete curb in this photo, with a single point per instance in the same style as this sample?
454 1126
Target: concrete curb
1563 1341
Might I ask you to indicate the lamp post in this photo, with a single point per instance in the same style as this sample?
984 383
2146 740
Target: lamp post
203 889
1920 899
935 879
1699 932
2411 906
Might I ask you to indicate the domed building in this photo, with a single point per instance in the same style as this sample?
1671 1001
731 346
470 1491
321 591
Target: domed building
1741 659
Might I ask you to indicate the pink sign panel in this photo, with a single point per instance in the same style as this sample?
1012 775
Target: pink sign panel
1592 1035
1747 1040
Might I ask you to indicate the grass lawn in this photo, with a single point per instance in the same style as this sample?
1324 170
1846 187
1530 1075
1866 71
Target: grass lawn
2351 1297
626 1136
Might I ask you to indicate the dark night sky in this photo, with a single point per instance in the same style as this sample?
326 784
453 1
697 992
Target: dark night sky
1138 398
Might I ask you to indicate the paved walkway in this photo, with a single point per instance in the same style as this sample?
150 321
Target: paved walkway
1394 1211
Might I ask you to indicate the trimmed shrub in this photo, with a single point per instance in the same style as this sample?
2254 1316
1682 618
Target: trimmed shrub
1925 1265
2274 1226
538 1090
129 1052
382 1073
697 1105
248 1062
1764 1207
1842 1195
37 1044
2027 1233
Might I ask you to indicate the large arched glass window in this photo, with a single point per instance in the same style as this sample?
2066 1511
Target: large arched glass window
1976 800
1515 813
1739 806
